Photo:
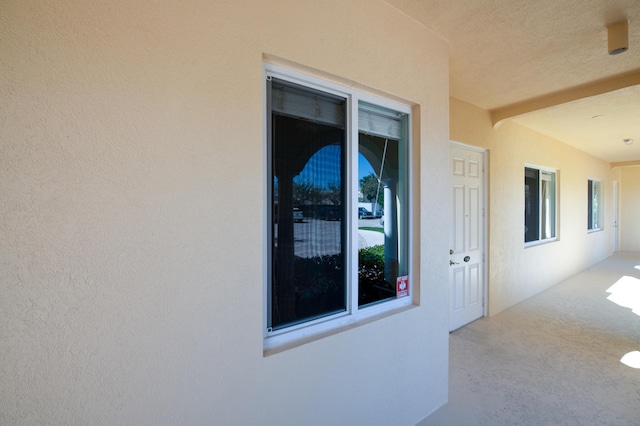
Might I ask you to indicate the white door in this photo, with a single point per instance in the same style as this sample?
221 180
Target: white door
467 246
615 216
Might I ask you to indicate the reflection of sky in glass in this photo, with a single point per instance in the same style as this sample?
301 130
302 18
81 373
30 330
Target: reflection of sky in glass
324 167
364 168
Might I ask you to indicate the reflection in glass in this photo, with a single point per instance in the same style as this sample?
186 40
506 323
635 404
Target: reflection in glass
548 196
531 205
382 142
308 161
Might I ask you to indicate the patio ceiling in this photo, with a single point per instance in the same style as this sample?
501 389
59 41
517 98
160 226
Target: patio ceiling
545 65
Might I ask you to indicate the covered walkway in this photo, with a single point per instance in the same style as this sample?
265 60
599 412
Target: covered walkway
568 356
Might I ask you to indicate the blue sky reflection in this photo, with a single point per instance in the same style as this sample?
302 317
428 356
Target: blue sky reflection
323 167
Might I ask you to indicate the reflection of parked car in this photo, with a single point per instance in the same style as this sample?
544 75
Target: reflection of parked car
298 216
330 213
364 213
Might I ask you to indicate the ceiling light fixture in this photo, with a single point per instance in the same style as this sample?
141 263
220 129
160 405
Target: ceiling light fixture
618 36
628 141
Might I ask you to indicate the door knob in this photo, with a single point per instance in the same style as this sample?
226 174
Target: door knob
451 262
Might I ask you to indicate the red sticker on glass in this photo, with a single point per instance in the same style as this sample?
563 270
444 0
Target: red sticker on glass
402 286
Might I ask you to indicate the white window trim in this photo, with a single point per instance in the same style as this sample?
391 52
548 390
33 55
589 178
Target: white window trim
600 226
354 315
555 238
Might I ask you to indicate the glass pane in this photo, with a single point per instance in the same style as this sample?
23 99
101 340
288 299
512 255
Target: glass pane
590 207
548 205
307 260
531 205
597 222
382 204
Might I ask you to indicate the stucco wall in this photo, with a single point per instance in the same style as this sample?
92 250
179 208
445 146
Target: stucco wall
516 272
131 206
629 208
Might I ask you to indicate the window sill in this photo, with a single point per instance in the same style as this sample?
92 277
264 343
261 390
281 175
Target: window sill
591 231
353 322
539 243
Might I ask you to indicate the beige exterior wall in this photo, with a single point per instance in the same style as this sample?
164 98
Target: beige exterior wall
132 171
516 272
629 208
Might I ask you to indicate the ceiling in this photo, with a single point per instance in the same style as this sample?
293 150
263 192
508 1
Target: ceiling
545 65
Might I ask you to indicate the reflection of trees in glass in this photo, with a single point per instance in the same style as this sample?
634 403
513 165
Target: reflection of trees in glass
306 193
334 194
369 189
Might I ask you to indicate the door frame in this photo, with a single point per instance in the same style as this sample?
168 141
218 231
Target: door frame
616 214
485 218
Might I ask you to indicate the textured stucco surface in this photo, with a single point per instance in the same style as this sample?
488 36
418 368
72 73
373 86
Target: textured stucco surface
131 203
516 272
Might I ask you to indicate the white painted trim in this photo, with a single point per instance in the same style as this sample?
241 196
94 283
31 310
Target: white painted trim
266 218
275 339
616 215
485 225
352 202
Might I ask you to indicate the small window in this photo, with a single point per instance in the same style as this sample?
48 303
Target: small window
328 263
594 202
539 204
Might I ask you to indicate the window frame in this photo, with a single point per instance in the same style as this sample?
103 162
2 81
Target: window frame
540 171
591 183
272 339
